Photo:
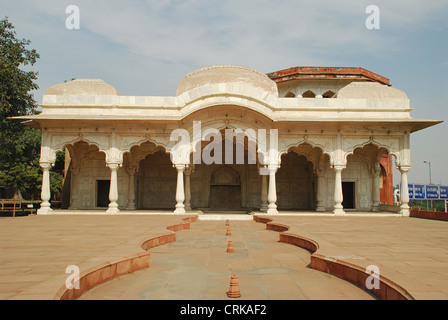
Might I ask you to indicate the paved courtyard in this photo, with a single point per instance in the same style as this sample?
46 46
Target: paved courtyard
198 267
35 251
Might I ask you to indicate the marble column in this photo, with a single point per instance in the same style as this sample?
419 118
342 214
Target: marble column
338 196
272 193
180 193
264 193
131 189
113 191
45 207
404 192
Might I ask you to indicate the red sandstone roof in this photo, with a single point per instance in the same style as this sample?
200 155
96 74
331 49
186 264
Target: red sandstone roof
326 73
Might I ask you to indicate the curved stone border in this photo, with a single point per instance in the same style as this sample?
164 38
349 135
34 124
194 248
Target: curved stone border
355 274
115 268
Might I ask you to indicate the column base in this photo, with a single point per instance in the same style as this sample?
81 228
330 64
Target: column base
339 212
272 211
44 210
179 211
131 206
113 208
405 211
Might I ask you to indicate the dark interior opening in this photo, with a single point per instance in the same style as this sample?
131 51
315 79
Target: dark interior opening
102 194
348 193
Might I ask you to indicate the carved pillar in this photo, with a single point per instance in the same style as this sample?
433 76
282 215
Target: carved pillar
376 187
264 193
404 167
180 194
272 193
113 161
74 188
45 207
338 197
113 191
404 192
131 189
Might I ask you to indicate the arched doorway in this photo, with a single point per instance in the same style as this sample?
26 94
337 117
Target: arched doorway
295 183
225 189
156 182
88 178
364 172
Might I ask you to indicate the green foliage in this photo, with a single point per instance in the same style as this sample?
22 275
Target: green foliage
15 83
19 144
57 173
19 164
438 205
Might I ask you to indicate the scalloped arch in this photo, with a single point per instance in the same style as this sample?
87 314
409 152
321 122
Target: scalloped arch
306 141
60 147
378 145
158 146
261 154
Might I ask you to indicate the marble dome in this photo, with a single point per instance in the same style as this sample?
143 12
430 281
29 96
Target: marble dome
228 74
83 87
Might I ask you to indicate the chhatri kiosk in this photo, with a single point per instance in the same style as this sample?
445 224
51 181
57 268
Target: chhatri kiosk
309 138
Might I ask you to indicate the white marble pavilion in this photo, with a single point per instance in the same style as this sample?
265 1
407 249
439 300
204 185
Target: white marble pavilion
333 124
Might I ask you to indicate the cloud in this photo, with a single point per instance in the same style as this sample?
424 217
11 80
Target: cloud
145 47
169 38
194 30
258 33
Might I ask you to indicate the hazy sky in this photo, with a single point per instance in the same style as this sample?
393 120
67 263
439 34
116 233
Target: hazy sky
146 47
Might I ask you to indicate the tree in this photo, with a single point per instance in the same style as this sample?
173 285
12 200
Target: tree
19 144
